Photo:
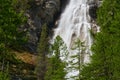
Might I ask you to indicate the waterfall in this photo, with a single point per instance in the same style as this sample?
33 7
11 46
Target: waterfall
75 23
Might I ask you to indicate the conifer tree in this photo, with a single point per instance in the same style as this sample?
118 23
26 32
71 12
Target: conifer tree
55 69
9 24
78 56
42 52
10 37
106 49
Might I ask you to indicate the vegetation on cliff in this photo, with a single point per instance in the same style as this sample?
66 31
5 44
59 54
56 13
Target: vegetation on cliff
11 38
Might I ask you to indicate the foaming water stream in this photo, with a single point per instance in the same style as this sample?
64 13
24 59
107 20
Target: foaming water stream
75 23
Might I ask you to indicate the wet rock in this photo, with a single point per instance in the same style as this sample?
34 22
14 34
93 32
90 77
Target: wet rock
93 10
94 5
40 12
63 4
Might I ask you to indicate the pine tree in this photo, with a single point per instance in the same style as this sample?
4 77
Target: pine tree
79 48
106 49
55 70
42 52
9 24
10 37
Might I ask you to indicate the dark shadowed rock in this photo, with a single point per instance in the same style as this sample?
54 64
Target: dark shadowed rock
40 12
94 5
92 11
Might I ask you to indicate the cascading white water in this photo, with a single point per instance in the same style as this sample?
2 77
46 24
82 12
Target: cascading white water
75 23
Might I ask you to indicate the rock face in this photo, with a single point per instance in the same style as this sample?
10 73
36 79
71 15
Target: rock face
94 5
40 12
92 10
63 4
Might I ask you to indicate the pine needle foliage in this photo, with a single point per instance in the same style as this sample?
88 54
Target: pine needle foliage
42 52
55 69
